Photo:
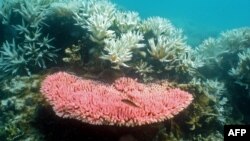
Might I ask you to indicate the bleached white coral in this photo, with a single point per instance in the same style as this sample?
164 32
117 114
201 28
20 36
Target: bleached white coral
224 50
118 51
230 41
243 57
102 7
132 40
209 50
215 91
236 39
166 49
127 21
98 26
64 7
157 25
215 88
187 63
97 17
242 70
174 54
81 14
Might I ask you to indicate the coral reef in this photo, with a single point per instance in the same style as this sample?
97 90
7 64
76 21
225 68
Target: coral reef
154 41
100 42
226 59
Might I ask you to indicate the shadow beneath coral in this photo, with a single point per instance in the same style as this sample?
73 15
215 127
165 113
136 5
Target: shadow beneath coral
55 128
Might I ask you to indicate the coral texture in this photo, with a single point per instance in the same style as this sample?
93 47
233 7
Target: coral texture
124 103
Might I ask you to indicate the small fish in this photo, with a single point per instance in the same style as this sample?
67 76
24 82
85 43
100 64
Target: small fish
129 102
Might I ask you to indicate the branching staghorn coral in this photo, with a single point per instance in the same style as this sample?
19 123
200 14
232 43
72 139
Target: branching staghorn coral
209 50
230 42
37 47
21 58
188 63
230 56
6 9
216 92
12 59
173 54
34 35
118 33
21 29
33 11
143 69
157 25
64 8
97 17
242 70
132 40
39 53
104 7
221 53
83 12
98 26
214 89
235 39
166 49
118 51
33 49
127 21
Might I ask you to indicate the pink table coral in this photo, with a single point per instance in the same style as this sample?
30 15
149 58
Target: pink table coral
124 103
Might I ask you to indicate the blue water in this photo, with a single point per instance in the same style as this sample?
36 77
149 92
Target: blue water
198 18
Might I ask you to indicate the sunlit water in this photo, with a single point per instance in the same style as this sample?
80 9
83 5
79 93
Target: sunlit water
198 18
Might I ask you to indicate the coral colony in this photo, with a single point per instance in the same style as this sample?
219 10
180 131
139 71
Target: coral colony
90 62
124 103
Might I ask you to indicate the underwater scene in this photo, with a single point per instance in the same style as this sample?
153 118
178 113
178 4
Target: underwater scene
123 70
